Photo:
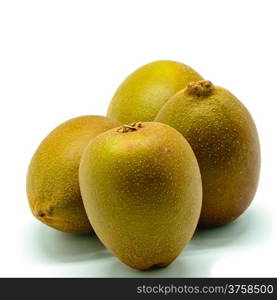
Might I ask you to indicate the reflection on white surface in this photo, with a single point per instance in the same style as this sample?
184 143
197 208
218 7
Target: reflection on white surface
58 247
220 252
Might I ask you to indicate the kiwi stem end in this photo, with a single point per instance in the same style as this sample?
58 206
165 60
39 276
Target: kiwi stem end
200 88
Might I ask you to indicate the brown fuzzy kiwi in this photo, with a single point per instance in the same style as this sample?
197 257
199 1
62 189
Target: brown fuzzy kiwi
143 93
52 181
225 141
142 192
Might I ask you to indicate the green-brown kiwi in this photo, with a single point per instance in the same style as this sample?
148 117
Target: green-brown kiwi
142 192
143 93
225 141
52 180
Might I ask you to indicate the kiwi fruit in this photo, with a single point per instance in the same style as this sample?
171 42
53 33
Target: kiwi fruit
52 180
225 141
143 93
141 187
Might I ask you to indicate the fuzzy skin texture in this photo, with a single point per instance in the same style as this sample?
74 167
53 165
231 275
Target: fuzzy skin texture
224 139
143 93
142 193
52 181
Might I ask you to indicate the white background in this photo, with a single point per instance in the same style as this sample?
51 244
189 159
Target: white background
61 59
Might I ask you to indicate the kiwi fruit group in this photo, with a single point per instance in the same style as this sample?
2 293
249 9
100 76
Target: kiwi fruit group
52 180
143 93
224 139
138 176
142 192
